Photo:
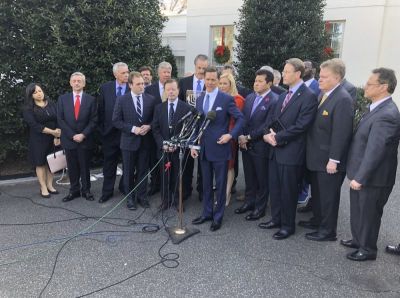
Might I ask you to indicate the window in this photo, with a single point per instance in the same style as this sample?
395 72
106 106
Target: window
335 29
180 65
217 34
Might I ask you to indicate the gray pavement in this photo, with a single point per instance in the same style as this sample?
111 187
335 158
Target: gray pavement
239 260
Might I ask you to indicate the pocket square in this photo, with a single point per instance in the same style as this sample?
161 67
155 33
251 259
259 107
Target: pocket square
325 113
263 108
218 109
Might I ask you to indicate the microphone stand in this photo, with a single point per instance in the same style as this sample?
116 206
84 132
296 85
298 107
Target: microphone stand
180 233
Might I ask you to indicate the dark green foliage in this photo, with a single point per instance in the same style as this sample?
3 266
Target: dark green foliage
271 31
360 106
45 41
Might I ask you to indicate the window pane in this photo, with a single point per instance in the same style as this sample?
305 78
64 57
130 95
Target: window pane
216 40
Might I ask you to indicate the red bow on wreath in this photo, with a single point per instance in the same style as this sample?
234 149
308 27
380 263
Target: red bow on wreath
220 50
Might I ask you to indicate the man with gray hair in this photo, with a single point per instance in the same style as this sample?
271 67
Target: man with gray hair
77 118
277 77
328 142
164 71
110 136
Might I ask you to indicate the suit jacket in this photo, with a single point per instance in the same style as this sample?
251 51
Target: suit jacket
106 102
225 108
331 132
350 88
184 85
278 89
85 124
373 153
297 117
314 86
255 125
125 117
154 91
160 126
243 91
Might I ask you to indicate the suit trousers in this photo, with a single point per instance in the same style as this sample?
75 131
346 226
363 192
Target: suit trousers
325 191
220 169
284 185
111 154
256 178
366 209
78 164
136 165
188 175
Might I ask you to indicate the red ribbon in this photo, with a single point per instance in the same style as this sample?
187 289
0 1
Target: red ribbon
167 166
223 36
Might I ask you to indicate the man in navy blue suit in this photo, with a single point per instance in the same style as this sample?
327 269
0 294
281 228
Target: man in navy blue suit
77 117
111 136
257 108
294 113
215 148
133 114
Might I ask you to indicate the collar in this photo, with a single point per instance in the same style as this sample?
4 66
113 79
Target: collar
296 87
377 103
79 93
175 101
264 94
134 95
308 82
213 93
327 93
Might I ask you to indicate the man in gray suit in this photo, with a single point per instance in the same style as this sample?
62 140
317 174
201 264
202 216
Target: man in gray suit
350 88
372 164
328 142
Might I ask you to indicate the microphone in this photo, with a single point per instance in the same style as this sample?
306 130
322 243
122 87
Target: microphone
187 115
211 115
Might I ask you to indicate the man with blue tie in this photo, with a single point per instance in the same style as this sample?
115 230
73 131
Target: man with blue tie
293 115
133 114
256 111
77 117
110 135
215 149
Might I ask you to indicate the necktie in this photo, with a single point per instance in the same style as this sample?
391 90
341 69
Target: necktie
198 88
139 109
206 104
255 104
287 99
324 97
171 113
77 106
119 91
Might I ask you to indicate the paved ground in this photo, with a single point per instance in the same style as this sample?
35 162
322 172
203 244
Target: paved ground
239 260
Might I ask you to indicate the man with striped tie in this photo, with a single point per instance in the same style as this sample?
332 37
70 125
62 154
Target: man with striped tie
133 114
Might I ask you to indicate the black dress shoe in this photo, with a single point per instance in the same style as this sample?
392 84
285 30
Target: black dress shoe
54 192
153 190
199 220
316 236
244 208
144 203
70 197
104 198
45 196
281 234
348 243
215 226
393 249
255 215
269 225
360 256
305 209
131 204
88 196
308 224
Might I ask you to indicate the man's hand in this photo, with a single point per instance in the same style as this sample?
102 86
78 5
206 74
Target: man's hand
224 139
355 185
57 142
144 129
194 153
270 138
78 137
242 139
137 130
331 167
57 133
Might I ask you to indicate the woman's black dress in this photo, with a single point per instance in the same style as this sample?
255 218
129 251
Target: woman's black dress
40 144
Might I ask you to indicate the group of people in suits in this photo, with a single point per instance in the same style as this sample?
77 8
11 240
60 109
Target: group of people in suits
305 133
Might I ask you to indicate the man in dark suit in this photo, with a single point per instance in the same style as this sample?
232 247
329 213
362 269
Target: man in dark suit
292 117
328 142
147 74
157 91
111 136
276 89
215 148
133 114
257 108
372 164
350 88
194 83
309 77
77 117
166 125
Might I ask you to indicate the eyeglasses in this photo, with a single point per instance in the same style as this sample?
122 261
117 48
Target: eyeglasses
370 84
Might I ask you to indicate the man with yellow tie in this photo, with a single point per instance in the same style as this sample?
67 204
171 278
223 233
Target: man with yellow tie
328 143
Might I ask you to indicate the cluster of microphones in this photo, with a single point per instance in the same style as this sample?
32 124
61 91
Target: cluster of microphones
191 132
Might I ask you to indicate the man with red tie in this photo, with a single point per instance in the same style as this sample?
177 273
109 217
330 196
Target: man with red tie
77 117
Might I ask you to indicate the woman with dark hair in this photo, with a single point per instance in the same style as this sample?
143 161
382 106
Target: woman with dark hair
41 116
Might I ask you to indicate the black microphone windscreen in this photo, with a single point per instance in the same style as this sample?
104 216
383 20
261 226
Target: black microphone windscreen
211 115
